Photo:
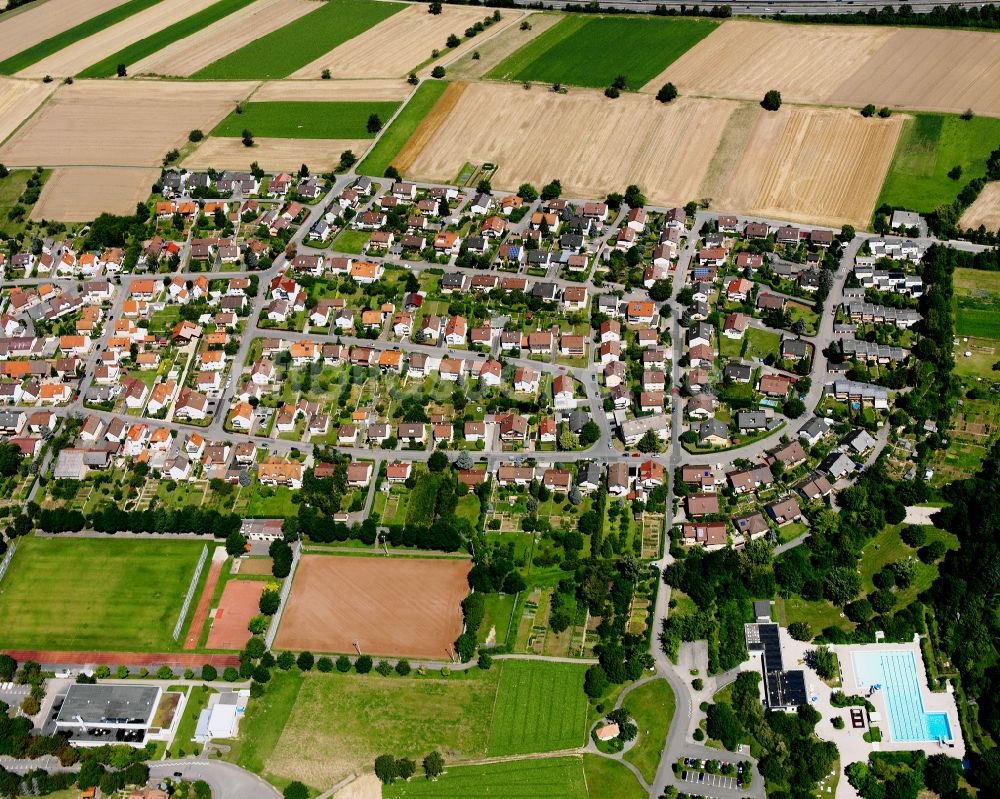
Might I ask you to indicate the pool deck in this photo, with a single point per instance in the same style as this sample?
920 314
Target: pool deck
850 742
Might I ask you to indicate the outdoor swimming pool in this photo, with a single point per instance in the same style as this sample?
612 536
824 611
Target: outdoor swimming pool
896 673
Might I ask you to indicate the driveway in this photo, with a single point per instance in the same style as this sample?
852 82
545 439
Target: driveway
226 780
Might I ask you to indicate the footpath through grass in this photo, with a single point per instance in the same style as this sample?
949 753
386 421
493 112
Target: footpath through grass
89 27
155 42
540 707
287 49
929 146
295 119
652 706
96 593
593 51
402 127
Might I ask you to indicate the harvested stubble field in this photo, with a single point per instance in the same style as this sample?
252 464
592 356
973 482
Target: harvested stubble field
80 193
394 47
93 123
18 100
585 50
819 165
185 57
744 59
386 606
592 144
985 210
24 29
929 70
377 89
82 54
495 49
291 47
238 604
281 155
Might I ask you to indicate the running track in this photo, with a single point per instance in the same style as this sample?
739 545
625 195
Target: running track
173 659
201 611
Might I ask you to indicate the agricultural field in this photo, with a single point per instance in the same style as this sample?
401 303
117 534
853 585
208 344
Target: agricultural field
133 606
397 606
89 51
182 29
208 43
804 62
652 706
494 50
298 119
409 716
540 707
929 146
78 194
985 211
34 34
287 49
533 136
414 124
119 124
977 304
553 778
813 164
278 155
394 47
592 51
327 91
18 101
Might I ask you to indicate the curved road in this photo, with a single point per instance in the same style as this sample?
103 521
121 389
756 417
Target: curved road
226 780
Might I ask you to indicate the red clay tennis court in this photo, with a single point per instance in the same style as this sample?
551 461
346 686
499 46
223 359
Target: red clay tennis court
387 606
239 603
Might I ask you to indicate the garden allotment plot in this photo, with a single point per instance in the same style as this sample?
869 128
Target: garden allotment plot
593 51
95 594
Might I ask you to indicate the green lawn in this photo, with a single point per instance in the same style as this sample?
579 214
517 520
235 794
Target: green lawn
552 778
929 146
155 42
89 27
196 702
468 509
607 778
761 343
817 614
270 502
540 707
11 189
96 593
887 547
305 120
652 706
289 48
264 721
499 609
592 51
351 241
977 304
403 126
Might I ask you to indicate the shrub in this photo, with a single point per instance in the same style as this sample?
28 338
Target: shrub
667 93
196 135
868 110
209 672
324 664
305 661
402 667
363 664
437 72
343 664
771 101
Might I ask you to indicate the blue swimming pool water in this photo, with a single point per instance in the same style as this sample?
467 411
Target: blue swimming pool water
896 673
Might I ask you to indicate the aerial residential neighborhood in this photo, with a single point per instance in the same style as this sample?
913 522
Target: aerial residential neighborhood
447 400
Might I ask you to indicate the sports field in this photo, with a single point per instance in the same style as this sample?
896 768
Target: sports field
185 27
27 38
289 48
402 128
305 120
100 594
929 146
384 606
540 707
237 605
592 51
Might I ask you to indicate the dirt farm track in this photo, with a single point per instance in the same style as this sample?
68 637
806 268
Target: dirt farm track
386 606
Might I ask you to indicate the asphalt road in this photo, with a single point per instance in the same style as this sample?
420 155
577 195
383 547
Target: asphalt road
226 780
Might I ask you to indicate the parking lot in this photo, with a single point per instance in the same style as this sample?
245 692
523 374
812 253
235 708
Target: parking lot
705 780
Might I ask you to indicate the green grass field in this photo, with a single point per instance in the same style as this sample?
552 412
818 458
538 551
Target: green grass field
393 139
552 778
977 303
265 719
157 41
652 706
540 707
761 343
54 44
817 614
11 189
929 146
287 49
887 547
101 594
608 778
196 702
592 51
305 120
